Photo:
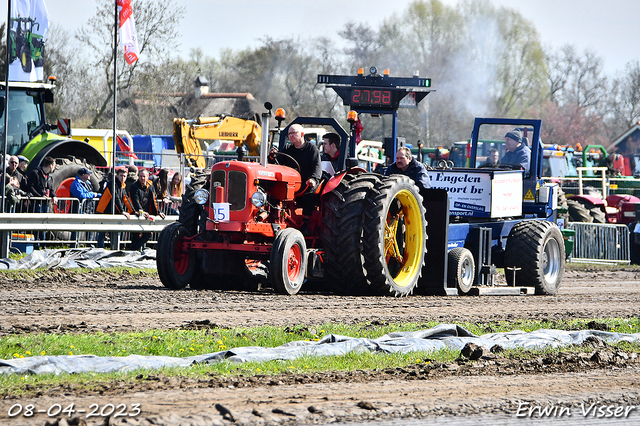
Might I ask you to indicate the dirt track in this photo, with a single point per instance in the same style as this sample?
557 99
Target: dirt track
69 302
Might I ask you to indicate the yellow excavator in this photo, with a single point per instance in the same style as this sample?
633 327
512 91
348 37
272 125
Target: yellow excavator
192 137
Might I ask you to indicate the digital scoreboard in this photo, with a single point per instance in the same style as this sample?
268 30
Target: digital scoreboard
378 93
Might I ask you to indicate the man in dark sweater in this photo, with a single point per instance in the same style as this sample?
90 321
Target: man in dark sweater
308 158
407 165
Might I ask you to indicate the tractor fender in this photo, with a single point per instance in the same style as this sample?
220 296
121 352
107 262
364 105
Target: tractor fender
337 178
69 147
590 199
616 200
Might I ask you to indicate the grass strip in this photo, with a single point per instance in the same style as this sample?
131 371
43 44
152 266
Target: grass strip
180 343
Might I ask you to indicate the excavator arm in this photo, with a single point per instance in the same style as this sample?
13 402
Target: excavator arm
192 137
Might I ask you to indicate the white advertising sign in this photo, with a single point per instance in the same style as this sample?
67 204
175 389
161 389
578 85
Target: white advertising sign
506 195
475 193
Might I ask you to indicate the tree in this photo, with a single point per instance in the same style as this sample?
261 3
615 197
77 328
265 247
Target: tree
156 27
624 100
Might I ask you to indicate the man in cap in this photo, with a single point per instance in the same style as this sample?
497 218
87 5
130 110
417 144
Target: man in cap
82 189
518 153
23 162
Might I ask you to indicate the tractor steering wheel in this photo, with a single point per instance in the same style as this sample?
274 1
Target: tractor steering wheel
291 158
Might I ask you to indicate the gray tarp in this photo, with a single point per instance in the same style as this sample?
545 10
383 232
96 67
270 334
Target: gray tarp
440 337
82 258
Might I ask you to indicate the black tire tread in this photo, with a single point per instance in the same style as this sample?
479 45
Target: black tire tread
525 246
342 216
374 223
455 258
164 257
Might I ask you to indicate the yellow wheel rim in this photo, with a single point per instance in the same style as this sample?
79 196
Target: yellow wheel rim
408 251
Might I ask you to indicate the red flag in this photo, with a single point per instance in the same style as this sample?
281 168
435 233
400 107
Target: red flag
125 148
359 128
128 31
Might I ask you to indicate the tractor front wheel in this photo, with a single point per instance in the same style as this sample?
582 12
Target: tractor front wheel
534 256
394 236
176 265
288 261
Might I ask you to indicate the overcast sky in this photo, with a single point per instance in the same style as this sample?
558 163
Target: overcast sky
611 28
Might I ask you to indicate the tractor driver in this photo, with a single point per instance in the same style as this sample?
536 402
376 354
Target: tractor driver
518 153
308 158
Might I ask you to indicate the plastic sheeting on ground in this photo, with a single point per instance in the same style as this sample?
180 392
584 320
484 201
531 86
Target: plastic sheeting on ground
82 258
440 337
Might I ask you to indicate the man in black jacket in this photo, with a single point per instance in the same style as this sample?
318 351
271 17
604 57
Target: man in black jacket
145 204
119 197
40 184
407 165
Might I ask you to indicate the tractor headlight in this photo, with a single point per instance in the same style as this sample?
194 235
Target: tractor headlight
258 198
201 196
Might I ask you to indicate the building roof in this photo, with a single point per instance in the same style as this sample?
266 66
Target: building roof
625 135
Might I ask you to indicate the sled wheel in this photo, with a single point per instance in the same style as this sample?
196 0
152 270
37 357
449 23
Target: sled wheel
394 238
536 249
176 265
461 269
342 216
288 261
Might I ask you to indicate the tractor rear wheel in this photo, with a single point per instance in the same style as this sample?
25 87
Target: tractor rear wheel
176 265
342 214
535 254
288 261
461 269
395 236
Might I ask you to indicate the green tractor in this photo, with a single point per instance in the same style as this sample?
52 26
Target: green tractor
24 44
28 134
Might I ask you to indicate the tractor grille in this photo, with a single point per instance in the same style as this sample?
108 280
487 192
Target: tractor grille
237 191
235 188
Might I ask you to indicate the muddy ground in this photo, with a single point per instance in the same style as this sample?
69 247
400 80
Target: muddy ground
68 302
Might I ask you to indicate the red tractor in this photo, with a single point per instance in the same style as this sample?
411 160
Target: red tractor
366 233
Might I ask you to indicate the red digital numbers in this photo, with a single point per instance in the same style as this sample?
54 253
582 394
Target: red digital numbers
370 97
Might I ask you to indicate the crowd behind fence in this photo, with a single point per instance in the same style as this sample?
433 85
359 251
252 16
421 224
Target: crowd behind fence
26 239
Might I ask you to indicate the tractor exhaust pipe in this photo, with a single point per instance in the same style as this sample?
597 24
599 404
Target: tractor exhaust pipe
264 143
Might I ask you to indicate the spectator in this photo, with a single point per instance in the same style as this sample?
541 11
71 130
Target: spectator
12 190
118 196
12 169
175 187
161 186
518 153
41 185
22 169
82 189
175 191
145 204
132 176
23 163
407 165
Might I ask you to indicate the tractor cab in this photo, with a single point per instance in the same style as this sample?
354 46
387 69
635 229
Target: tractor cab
26 113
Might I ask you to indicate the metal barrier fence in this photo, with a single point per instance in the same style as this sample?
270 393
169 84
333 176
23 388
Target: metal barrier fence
20 231
600 243
25 239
